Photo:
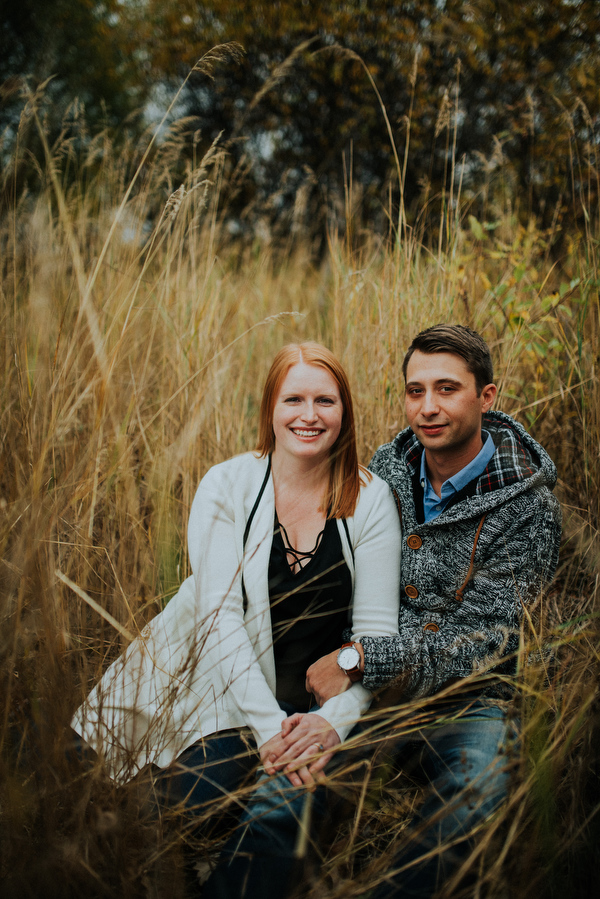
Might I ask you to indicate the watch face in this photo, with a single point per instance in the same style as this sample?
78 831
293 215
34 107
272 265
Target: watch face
348 658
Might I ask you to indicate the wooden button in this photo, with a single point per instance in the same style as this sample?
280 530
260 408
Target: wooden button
432 626
411 591
414 541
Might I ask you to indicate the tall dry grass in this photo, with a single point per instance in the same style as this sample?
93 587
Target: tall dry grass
135 338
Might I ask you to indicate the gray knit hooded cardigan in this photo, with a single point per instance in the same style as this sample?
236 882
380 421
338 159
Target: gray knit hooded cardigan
466 578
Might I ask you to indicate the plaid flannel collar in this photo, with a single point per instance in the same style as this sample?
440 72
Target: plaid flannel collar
511 462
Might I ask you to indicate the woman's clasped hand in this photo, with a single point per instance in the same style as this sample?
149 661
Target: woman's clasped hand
301 749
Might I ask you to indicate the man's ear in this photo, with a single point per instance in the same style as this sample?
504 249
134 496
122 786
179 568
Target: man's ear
487 397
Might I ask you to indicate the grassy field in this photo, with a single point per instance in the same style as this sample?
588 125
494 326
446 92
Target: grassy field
136 334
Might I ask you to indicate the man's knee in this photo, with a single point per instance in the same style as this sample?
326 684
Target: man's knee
277 820
470 775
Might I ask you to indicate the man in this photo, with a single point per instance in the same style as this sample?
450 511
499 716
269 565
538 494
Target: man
481 531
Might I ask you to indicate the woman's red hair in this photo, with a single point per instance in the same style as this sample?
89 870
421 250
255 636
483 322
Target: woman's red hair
345 472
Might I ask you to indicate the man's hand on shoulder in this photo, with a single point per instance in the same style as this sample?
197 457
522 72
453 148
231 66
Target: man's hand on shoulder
325 678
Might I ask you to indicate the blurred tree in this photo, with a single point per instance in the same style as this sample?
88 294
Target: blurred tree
529 83
401 99
89 49
471 89
301 99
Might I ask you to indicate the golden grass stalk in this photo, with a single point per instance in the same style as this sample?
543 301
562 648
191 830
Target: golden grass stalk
134 346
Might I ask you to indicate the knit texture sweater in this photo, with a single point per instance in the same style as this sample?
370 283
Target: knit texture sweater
461 612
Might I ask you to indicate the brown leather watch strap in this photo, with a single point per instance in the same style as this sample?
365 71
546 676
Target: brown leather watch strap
355 674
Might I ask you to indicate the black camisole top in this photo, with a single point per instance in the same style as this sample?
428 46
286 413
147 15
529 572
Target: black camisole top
309 609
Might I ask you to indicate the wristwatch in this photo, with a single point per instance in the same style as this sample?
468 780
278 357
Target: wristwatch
348 660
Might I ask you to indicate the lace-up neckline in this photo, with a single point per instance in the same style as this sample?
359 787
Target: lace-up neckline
297 559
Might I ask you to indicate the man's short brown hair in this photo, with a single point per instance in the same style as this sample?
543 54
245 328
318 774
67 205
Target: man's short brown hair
461 341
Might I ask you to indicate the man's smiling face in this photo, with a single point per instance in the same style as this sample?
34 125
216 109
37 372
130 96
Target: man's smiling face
442 404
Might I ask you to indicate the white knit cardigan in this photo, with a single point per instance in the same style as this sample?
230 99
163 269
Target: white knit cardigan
206 663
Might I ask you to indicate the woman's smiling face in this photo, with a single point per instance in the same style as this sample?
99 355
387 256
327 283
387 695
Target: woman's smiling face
308 413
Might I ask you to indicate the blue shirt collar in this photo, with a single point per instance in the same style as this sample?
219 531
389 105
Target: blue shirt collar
432 504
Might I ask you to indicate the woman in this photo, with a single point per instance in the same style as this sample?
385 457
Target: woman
288 546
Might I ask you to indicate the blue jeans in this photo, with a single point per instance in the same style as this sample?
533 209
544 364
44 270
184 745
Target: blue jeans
463 757
465 760
210 781
201 779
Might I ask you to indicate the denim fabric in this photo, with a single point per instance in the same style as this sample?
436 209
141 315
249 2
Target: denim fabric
201 780
463 759
465 764
208 772
260 860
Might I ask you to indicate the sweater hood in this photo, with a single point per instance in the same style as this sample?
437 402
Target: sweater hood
519 464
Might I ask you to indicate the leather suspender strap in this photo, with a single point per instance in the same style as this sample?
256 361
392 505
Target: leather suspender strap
256 504
459 592
345 523
248 526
